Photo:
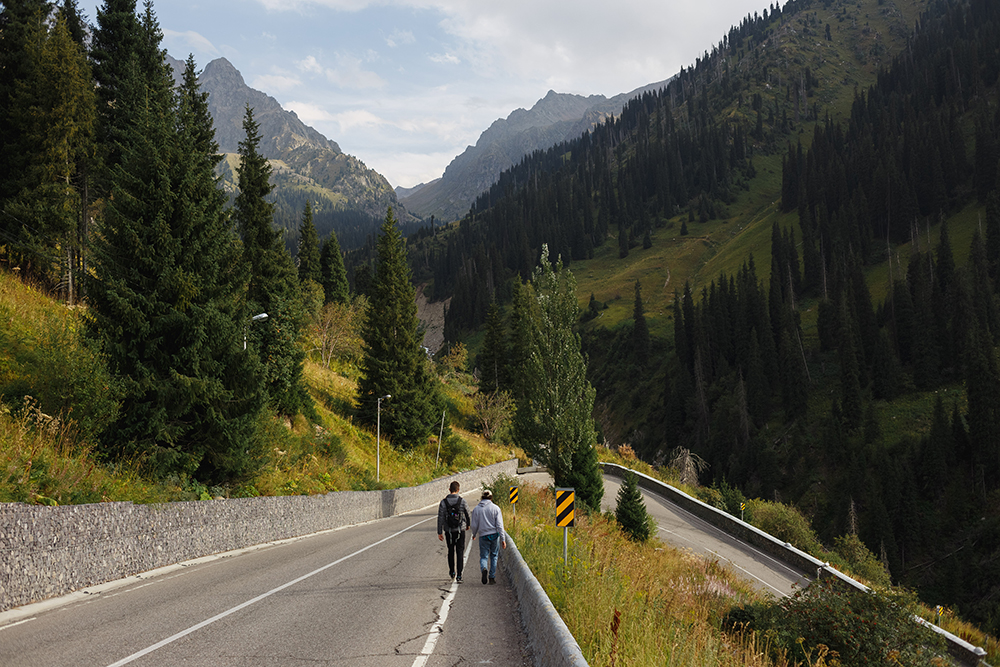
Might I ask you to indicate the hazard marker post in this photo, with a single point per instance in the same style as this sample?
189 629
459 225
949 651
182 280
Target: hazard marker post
513 502
565 501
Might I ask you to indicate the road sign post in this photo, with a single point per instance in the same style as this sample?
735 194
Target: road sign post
565 500
513 502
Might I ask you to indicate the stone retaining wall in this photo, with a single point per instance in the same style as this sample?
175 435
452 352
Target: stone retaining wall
50 551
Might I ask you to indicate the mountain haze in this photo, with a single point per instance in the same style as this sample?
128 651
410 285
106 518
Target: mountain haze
555 118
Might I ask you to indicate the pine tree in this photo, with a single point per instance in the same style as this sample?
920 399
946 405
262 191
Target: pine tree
114 50
630 511
274 286
331 260
393 361
554 421
308 253
493 353
170 317
21 24
640 332
53 110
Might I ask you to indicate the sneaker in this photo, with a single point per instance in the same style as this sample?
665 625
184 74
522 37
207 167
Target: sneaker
458 578
485 576
492 581
452 575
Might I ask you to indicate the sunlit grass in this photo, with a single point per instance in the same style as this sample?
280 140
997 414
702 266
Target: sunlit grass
628 603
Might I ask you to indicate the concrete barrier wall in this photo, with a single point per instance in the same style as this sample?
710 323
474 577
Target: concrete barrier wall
551 641
50 551
783 551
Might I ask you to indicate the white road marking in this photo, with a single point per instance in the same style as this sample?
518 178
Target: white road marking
438 626
193 628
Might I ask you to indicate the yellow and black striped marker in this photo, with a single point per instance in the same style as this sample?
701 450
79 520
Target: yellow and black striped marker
513 495
565 499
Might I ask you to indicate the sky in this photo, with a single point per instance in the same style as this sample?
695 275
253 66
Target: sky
406 85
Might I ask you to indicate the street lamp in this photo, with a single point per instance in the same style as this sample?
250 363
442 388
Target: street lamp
255 318
378 434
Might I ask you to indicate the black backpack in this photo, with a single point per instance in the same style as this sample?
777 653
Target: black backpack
453 515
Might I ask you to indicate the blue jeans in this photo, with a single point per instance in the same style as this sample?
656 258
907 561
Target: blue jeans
489 550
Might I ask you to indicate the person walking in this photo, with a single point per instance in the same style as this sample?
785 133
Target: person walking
453 521
487 524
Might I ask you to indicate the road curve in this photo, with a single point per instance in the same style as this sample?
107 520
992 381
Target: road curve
373 594
683 530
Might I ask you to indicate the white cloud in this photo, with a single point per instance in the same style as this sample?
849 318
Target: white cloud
444 58
275 83
359 118
310 64
308 112
400 37
189 41
347 71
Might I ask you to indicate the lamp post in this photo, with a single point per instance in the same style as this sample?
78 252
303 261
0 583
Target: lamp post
378 434
255 318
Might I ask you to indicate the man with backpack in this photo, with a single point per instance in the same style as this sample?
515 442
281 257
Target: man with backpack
453 521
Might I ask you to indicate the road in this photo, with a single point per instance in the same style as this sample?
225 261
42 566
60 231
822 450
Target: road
683 530
374 594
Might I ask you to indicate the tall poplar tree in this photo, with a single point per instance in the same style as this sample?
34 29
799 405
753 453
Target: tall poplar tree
274 285
554 422
393 360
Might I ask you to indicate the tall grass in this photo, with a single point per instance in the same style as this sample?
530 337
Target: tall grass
628 603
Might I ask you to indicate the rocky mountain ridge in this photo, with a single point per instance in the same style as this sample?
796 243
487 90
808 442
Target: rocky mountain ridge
302 157
555 118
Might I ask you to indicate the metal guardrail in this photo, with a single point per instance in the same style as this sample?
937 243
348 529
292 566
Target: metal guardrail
960 649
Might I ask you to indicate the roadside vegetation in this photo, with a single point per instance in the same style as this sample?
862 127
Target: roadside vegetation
55 390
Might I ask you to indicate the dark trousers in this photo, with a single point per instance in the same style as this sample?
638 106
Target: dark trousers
456 550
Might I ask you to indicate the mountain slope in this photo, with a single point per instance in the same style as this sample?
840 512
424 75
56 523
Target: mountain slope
346 196
555 118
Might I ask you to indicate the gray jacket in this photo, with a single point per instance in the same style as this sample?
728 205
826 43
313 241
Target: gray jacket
443 512
487 520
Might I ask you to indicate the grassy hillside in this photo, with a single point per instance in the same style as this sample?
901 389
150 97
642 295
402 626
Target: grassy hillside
55 393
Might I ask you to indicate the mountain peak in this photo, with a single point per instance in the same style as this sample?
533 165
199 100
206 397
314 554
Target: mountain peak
220 68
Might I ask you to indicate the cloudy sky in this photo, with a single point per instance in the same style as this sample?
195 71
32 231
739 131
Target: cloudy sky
406 85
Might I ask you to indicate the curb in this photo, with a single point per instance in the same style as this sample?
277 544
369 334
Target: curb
551 641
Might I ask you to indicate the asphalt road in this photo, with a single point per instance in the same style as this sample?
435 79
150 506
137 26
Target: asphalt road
375 594
683 530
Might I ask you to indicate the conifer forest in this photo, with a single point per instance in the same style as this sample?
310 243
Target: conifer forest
842 359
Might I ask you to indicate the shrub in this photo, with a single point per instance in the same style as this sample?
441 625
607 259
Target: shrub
856 627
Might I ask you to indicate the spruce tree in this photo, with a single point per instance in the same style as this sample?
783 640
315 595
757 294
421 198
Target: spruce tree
273 286
114 50
308 252
493 353
554 421
335 286
166 293
393 361
640 331
53 110
21 24
630 510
